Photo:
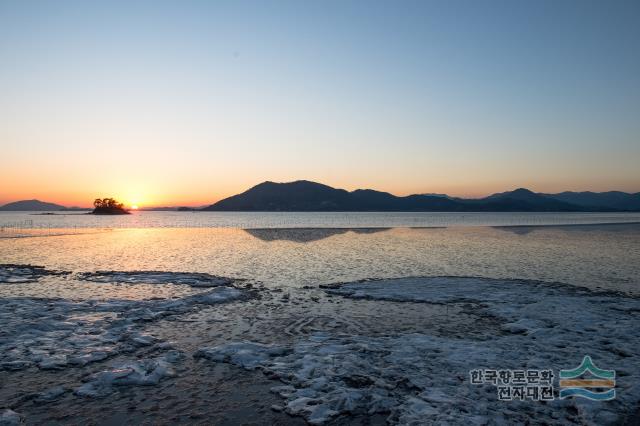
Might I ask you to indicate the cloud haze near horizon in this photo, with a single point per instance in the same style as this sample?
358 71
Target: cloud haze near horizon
189 102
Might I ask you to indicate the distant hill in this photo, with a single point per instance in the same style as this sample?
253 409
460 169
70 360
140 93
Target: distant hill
31 205
612 199
523 199
311 196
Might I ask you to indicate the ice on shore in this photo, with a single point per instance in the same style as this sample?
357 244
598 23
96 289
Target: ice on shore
50 394
14 274
246 354
144 372
53 334
10 418
420 378
218 295
193 279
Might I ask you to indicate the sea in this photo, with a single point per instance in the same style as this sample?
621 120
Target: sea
322 318
281 249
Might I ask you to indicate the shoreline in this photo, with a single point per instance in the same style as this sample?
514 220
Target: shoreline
274 347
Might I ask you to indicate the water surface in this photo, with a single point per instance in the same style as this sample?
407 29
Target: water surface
25 220
606 256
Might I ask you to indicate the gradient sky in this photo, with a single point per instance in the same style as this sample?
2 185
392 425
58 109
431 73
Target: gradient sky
183 102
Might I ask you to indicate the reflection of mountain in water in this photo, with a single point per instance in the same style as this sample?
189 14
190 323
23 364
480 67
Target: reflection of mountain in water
609 227
518 230
306 235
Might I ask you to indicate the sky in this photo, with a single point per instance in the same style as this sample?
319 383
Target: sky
188 102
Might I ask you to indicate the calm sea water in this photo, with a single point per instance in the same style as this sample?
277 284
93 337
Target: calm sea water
294 250
25 220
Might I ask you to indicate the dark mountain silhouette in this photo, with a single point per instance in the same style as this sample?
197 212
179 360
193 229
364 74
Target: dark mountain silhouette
32 206
303 195
611 199
311 196
299 195
523 199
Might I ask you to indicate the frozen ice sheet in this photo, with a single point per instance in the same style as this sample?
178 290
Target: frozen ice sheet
13 274
419 378
193 279
54 334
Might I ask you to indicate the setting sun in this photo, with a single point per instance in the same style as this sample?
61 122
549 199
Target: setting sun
134 207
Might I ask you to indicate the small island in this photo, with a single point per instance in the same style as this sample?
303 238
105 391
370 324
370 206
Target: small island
108 206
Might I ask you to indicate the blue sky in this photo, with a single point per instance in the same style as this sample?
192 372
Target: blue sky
194 101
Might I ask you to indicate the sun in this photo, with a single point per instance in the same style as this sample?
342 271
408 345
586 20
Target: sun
134 199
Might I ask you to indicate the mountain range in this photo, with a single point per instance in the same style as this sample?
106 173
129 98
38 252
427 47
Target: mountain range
304 195
309 196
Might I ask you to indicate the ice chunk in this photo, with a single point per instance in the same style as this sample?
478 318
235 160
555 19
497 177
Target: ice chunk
218 295
54 362
145 372
9 418
245 354
193 279
13 274
56 334
51 394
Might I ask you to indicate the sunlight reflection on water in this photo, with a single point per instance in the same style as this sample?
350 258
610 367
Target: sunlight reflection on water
604 256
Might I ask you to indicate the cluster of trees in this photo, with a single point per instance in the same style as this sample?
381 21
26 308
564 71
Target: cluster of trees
107 203
108 206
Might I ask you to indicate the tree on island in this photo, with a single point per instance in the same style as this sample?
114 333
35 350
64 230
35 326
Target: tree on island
108 206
